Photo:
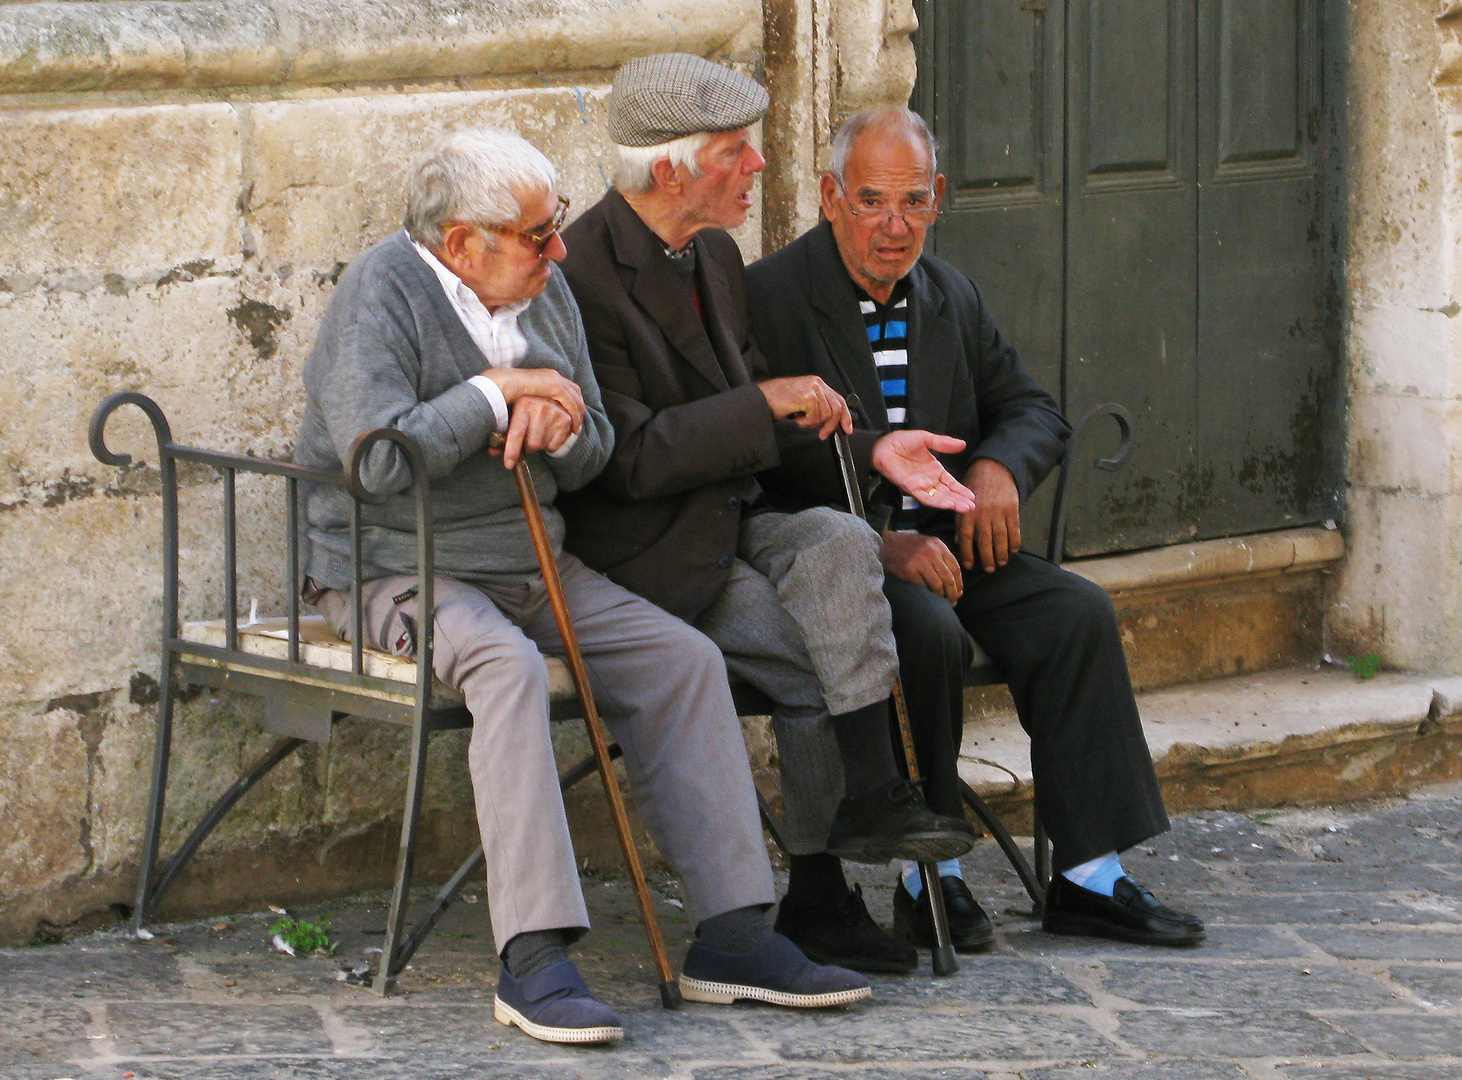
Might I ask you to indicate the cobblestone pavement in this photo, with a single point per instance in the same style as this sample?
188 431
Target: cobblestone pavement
1335 953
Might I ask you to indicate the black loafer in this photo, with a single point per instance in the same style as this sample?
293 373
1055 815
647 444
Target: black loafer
892 822
1131 913
969 926
844 934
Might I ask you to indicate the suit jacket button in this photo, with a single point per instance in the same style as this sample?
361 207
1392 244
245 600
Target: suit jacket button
733 502
724 562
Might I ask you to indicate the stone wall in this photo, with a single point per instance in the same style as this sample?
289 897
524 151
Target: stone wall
1400 592
181 184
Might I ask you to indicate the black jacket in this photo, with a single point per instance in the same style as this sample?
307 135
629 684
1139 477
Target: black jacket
691 429
964 378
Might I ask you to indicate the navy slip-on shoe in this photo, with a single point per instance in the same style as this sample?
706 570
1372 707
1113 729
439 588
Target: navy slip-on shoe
776 971
555 1005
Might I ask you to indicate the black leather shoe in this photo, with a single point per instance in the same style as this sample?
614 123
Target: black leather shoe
1131 913
969 926
892 822
844 934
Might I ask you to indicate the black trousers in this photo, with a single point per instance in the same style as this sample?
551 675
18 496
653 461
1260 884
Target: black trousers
1054 637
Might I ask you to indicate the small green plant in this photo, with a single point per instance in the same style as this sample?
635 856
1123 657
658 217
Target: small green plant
1364 667
303 936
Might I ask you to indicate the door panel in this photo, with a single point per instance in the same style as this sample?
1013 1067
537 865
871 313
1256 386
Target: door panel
1128 47
996 101
1138 187
1261 306
1131 264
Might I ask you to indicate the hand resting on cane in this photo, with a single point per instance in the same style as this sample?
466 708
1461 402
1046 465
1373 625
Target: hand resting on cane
534 424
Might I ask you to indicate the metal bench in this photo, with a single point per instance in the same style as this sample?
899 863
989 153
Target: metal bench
309 679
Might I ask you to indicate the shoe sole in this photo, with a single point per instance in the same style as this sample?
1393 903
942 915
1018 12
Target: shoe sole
930 848
505 1014
1082 926
715 993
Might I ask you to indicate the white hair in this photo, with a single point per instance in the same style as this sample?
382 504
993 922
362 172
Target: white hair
633 164
478 175
860 122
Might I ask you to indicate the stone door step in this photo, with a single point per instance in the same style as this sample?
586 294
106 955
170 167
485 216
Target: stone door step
1292 737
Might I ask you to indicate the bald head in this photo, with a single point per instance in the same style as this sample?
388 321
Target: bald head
880 124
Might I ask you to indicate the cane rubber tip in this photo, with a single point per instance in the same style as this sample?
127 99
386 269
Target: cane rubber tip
670 995
944 961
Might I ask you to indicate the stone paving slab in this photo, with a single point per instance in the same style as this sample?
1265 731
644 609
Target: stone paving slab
1314 970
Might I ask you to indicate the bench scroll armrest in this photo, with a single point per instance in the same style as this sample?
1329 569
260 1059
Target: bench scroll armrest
1056 538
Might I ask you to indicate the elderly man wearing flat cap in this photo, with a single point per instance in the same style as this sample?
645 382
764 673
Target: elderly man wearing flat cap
794 601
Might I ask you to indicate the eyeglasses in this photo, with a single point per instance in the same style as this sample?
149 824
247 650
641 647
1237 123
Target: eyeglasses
537 240
879 214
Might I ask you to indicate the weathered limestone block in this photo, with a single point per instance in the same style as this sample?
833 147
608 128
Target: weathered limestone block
1400 591
876 64
185 344
44 819
207 43
1395 596
1404 442
117 192
83 583
327 175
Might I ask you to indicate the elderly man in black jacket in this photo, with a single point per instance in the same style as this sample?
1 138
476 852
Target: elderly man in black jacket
857 302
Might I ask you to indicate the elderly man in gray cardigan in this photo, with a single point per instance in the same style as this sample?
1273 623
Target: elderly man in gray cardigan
456 328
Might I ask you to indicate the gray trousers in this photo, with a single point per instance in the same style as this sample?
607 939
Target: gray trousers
661 689
803 618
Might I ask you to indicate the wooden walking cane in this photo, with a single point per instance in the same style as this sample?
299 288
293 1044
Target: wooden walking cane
943 953
669 988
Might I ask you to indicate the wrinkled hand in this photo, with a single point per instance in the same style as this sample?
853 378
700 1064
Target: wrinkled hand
544 383
906 458
810 402
994 524
535 424
923 560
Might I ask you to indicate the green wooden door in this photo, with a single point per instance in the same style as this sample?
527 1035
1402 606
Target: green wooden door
1135 184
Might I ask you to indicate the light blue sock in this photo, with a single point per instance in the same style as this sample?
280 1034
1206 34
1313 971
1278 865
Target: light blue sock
1099 875
914 882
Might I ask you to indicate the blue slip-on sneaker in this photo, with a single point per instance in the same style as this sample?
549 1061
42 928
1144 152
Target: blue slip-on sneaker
555 1005
776 971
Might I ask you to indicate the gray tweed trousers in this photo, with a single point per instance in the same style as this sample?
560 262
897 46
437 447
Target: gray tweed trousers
803 618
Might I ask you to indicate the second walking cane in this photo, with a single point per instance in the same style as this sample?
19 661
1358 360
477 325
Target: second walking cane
669 988
943 954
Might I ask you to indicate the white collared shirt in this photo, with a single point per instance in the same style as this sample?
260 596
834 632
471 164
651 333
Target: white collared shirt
496 333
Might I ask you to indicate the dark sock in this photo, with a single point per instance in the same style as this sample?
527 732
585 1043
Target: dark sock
533 950
867 750
737 931
816 879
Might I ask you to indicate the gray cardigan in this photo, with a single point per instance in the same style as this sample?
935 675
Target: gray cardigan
391 352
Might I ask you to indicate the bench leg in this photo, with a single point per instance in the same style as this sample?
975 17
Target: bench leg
449 892
1032 880
261 768
393 956
152 825
1043 854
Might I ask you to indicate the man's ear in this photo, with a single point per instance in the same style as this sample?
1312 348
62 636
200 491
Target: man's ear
454 252
830 191
938 188
666 176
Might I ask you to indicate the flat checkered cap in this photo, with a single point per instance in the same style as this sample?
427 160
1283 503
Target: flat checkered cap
656 99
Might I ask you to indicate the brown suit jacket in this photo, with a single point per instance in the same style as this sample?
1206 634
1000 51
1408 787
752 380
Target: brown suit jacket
691 428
